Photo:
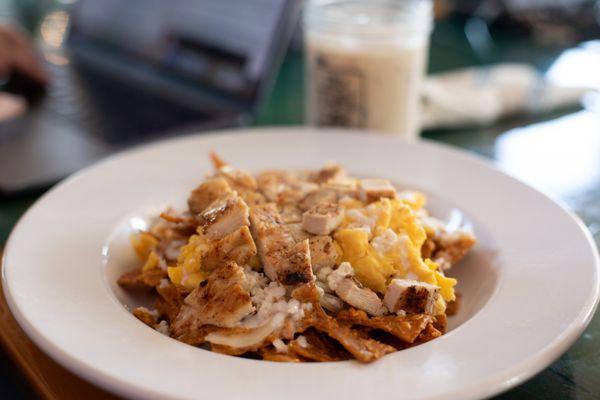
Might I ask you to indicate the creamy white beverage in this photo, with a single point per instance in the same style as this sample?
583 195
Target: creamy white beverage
365 70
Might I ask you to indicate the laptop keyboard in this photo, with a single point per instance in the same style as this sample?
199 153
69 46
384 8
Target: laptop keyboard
67 98
109 109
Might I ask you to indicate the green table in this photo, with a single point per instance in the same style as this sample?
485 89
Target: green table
576 375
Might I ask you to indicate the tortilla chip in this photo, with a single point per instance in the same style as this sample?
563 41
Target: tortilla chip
318 347
405 328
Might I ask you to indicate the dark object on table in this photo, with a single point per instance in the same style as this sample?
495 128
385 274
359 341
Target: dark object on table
181 67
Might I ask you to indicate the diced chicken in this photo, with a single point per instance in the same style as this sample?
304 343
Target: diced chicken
329 173
220 300
294 266
224 216
290 213
348 289
360 297
205 194
284 187
331 303
283 259
323 218
316 197
343 188
268 229
411 296
237 247
324 252
370 190
298 233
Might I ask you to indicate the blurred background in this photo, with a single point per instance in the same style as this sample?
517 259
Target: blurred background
515 81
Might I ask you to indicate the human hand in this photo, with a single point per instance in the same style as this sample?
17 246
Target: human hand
17 54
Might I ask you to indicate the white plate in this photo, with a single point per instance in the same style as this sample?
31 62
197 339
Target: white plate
529 288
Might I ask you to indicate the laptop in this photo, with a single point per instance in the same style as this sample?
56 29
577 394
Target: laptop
123 73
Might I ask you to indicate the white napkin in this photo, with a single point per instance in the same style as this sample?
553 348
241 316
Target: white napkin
481 96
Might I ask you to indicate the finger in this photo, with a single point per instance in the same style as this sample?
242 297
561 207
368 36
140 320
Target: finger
29 64
24 55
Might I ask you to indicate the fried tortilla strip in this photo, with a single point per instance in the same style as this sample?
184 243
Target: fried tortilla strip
239 180
142 280
146 316
235 247
440 322
196 337
406 328
316 346
364 349
429 333
270 354
447 249
205 194
453 306
221 300
169 301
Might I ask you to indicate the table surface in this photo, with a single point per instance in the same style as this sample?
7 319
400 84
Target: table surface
559 154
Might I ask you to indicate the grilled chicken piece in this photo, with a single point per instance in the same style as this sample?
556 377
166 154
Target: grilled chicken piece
316 197
205 194
224 216
370 190
220 300
298 233
331 303
283 259
235 247
323 218
411 296
294 265
324 252
329 173
283 187
343 188
290 213
342 282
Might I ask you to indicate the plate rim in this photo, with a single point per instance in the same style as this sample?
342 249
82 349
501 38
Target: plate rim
510 377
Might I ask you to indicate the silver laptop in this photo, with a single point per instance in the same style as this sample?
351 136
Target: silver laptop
129 72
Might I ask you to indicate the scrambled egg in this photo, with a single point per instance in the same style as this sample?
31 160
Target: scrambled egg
384 239
188 271
381 240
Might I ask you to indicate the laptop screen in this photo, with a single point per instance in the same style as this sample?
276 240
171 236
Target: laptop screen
226 45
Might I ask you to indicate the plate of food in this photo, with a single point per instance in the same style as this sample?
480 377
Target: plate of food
286 263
